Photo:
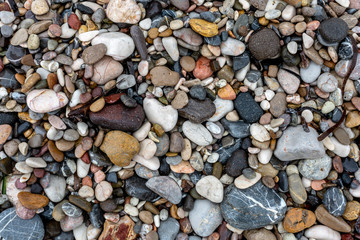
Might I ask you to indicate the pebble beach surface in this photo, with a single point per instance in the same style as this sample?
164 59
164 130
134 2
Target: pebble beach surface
179 119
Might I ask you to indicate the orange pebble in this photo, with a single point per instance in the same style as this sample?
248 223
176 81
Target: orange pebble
86 181
317 184
227 93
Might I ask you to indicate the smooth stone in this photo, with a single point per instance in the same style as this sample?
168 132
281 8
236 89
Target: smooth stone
119 45
254 207
311 73
237 129
45 100
295 144
163 76
210 188
123 11
166 187
247 108
334 201
169 229
223 107
288 81
315 169
205 217
139 40
332 34
7 79
197 111
197 133
170 45
327 82
136 187
13 227
242 182
297 189
55 189
105 70
94 53
165 116
189 36
321 232
264 44
260 234
232 47
119 117
335 223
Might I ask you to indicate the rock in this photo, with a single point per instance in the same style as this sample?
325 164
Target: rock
247 108
352 211
259 132
119 117
336 223
171 47
136 187
236 163
13 227
254 207
39 7
105 70
139 40
242 182
7 79
120 147
333 30
19 37
315 169
334 201
119 45
189 36
197 111
5 131
321 232
264 44
311 73
166 187
204 28
93 54
71 210
232 47
278 104
123 11
288 81
180 100
32 201
165 116
180 4
202 68
54 188
15 54
70 223
103 191
295 144
188 64
327 82
169 229
238 129
123 229
197 133
210 188
298 219
205 217
259 234
45 100
222 108
163 76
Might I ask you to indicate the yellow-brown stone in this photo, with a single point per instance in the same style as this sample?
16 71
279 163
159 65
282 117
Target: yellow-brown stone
5 131
352 119
352 211
204 28
297 219
120 147
32 201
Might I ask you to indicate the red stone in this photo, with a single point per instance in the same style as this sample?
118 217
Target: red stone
346 236
5 7
1 65
74 21
85 158
97 92
20 185
39 172
113 98
85 97
202 68
86 181
337 164
55 30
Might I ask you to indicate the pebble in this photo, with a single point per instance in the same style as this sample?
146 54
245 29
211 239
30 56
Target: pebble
197 133
322 232
165 187
334 201
211 188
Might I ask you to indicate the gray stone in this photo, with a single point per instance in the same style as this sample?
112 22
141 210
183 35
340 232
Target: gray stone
166 187
71 210
295 144
168 229
14 228
334 201
205 217
253 207
315 169
55 189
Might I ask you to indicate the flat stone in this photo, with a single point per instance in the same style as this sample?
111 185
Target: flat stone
106 69
333 30
205 217
166 187
254 207
334 201
163 76
197 111
13 227
55 189
315 169
288 81
197 133
247 108
123 229
295 144
136 187
210 188
336 223
123 11
169 229
204 28
264 44
45 100
298 219
33 201
94 53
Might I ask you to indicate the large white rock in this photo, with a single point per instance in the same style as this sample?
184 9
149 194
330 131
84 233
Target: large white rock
46 100
321 232
311 73
232 47
119 45
123 11
55 190
156 112
222 108
171 46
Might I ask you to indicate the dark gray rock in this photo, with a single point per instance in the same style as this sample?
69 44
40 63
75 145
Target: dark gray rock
139 40
247 108
225 152
236 163
253 207
8 118
71 210
14 228
264 44
135 187
14 54
198 92
238 129
198 111
7 79
334 201
333 30
166 187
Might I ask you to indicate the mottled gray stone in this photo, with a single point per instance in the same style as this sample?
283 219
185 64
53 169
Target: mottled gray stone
14 228
166 187
295 144
253 207
168 229
334 201
315 169
205 217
